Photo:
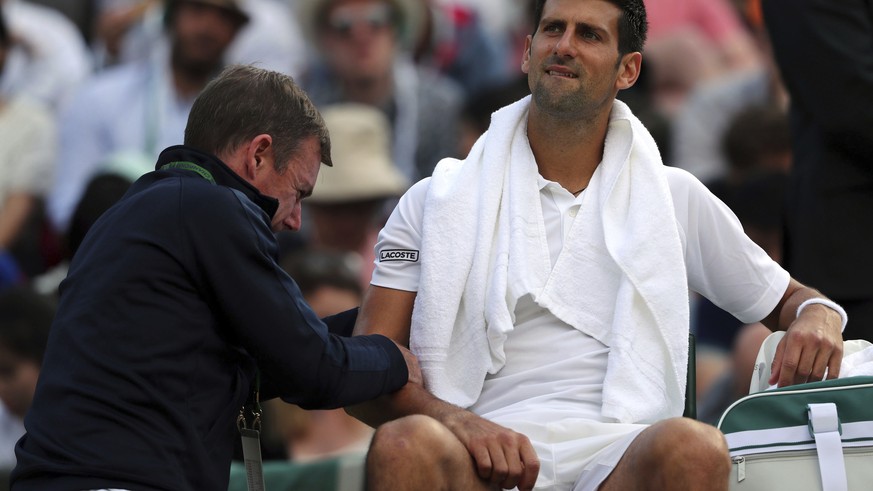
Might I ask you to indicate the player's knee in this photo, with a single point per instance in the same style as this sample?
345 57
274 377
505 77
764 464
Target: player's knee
410 450
711 443
682 454
695 447
406 439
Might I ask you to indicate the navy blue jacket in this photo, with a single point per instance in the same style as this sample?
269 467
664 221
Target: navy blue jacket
172 301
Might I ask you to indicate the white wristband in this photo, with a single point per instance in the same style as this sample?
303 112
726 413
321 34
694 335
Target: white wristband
829 304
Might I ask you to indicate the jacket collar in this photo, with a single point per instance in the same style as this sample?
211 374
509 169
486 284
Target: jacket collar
220 173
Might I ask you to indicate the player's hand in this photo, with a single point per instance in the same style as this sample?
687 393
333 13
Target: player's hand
503 457
813 343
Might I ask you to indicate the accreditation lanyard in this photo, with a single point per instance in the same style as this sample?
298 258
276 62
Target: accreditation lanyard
249 424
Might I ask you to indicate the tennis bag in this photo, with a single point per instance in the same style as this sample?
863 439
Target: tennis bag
815 436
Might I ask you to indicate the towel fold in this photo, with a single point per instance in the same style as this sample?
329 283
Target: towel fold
620 277
859 362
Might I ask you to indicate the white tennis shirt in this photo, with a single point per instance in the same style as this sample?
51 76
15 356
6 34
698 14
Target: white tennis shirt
554 371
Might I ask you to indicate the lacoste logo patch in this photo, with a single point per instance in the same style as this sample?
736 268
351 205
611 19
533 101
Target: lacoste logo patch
398 255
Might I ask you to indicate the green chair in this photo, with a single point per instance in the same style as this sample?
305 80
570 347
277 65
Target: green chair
691 380
344 473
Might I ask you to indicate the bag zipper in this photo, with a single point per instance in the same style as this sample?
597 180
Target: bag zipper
740 460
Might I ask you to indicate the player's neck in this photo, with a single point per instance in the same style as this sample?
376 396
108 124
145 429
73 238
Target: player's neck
566 154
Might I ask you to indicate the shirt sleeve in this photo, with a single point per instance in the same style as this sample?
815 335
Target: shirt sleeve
723 263
398 249
264 312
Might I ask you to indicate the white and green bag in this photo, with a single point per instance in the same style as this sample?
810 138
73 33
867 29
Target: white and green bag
815 436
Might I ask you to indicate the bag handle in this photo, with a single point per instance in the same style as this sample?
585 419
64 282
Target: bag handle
824 426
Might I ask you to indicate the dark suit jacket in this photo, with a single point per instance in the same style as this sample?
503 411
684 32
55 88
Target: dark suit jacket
824 50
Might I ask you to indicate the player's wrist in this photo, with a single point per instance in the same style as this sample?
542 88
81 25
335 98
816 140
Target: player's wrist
844 317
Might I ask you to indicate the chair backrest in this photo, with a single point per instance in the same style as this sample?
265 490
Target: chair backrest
691 380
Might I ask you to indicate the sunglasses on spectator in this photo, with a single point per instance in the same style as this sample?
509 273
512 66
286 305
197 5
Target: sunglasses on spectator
343 21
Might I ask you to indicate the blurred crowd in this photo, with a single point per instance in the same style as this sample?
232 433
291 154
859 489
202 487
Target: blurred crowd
92 90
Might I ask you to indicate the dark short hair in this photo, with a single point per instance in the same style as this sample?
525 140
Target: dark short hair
754 134
245 101
103 191
25 319
632 25
231 9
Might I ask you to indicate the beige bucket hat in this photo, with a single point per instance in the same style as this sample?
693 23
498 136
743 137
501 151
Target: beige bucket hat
360 138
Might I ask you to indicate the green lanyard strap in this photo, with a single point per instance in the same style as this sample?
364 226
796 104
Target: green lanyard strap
191 166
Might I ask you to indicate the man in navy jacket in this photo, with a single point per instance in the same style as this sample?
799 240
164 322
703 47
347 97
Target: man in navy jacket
175 309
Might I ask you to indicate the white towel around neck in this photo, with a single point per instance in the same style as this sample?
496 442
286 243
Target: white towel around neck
620 277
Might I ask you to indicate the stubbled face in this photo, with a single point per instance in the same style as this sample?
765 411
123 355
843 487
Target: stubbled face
359 40
201 35
572 60
293 185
